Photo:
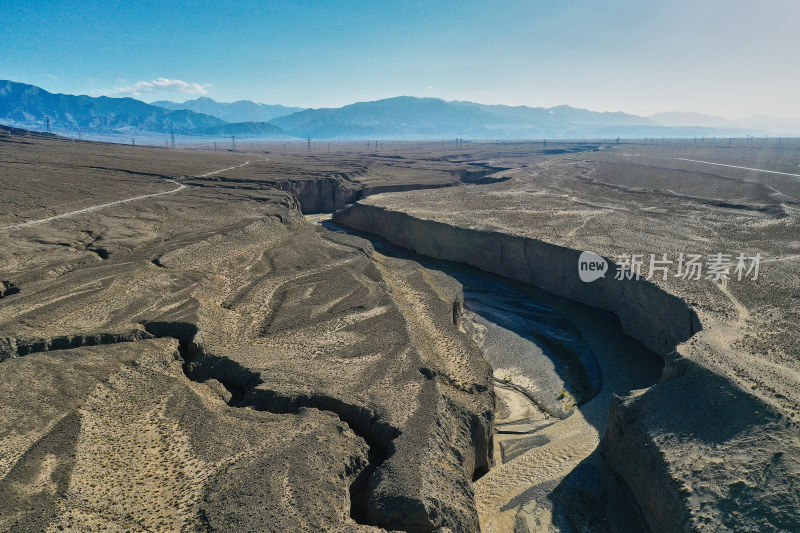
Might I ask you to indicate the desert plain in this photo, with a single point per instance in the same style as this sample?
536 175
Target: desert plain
395 337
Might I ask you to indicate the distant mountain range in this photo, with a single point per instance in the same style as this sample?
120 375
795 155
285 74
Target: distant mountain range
761 124
403 117
432 118
239 111
407 116
29 106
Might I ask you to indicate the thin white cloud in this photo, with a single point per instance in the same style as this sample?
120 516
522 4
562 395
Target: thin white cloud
159 85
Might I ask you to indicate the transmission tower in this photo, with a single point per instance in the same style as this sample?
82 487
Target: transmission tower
233 142
172 134
48 125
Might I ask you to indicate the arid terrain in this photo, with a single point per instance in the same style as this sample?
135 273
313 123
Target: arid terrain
181 349
715 445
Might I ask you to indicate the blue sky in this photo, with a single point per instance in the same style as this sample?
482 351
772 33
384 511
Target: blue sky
733 58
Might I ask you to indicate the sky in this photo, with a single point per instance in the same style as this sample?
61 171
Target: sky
732 58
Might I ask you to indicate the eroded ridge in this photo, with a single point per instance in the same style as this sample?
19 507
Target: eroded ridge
315 399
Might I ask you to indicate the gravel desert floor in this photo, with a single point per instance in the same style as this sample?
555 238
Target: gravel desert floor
182 350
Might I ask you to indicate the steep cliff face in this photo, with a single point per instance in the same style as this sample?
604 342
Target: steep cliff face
331 193
322 195
652 316
697 451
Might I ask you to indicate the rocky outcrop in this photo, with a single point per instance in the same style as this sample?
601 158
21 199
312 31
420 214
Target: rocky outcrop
701 454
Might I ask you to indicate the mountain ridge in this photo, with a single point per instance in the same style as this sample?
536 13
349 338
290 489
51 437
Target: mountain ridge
400 117
238 111
435 118
30 106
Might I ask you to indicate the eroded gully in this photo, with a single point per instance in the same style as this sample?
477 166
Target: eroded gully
556 365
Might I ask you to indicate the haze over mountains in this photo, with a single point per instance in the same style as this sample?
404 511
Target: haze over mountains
402 117
239 111
29 106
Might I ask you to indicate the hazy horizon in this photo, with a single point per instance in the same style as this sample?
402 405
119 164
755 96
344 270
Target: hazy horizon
722 58
179 100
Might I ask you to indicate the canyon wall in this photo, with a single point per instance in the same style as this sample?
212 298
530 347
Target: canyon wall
654 317
323 195
697 451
